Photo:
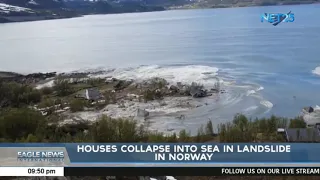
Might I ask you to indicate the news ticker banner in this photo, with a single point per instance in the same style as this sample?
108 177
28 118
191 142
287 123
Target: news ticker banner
159 171
146 154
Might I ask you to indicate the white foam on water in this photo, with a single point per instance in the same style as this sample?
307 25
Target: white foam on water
251 108
316 71
260 88
205 75
266 103
250 92
50 82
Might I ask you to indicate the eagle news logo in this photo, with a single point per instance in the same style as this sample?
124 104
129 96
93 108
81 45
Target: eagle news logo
40 156
277 18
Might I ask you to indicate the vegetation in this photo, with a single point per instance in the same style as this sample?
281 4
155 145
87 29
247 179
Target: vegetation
150 95
158 83
297 123
95 81
24 124
19 123
77 105
47 90
63 87
17 95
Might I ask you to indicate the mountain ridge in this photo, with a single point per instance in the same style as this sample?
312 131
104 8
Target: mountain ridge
31 10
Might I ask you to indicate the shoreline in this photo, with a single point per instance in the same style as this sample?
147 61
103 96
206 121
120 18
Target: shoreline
144 101
168 106
19 19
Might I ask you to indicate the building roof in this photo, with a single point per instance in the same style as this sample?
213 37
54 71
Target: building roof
90 94
93 94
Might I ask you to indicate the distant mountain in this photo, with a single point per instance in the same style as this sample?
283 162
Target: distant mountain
86 6
135 6
11 13
89 7
240 3
169 2
36 4
104 7
6 9
28 10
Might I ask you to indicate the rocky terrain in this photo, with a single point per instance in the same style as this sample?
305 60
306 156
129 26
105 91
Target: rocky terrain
25 79
144 101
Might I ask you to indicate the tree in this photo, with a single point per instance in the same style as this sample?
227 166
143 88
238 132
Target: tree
19 123
104 130
209 128
297 123
16 95
47 90
200 135
184 136
63 87
77 105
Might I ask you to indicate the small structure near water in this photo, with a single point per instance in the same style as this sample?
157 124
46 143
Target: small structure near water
91 94
301 134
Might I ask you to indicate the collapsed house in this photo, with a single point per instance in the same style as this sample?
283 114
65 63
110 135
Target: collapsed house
91 94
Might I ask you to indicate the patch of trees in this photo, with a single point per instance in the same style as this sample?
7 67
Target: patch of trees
17 95
27 125
63 87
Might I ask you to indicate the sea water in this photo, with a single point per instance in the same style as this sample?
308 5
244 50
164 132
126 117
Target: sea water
264 69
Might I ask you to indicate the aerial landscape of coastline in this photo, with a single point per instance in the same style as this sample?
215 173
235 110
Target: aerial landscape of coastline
101 71
149 96
31 10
